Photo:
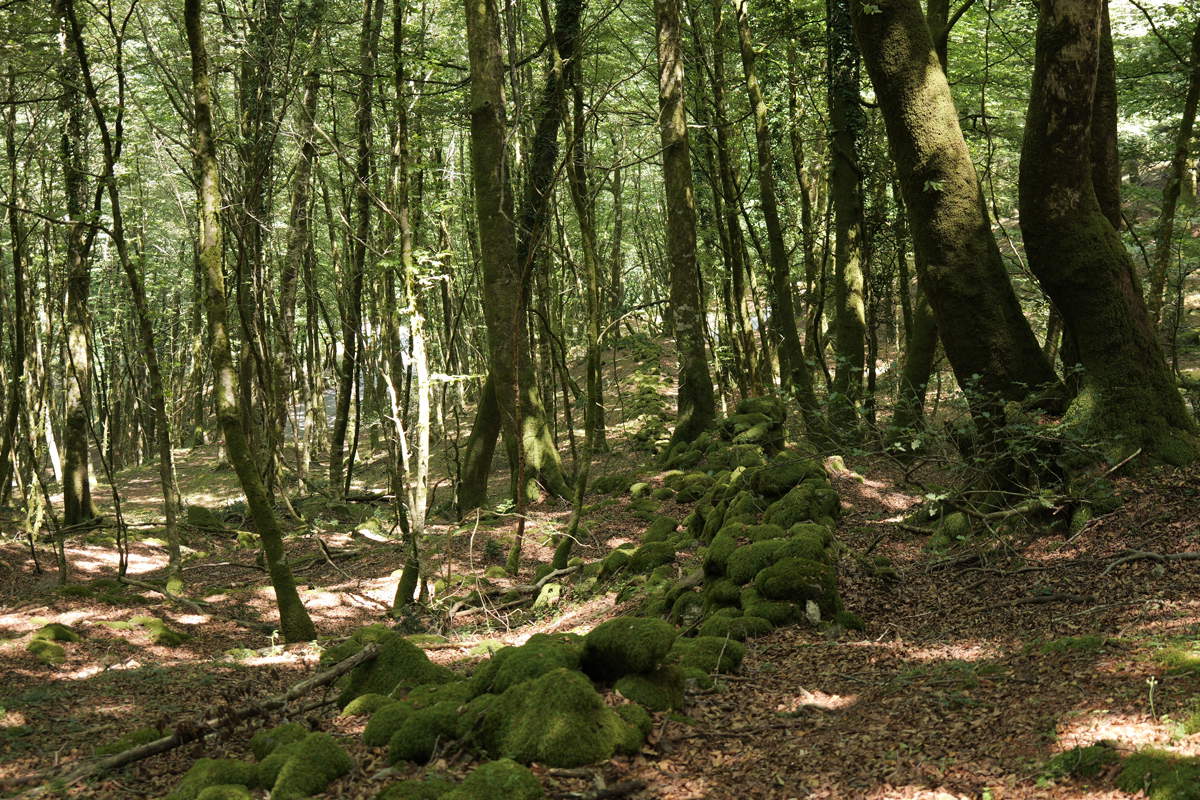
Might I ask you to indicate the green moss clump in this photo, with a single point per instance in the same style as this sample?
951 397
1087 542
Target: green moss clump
365 705
399 663
263 743
662 493
1161 775
131 739
615 560
385 722
47 652
1088 643
812 500
782 474
762 533
751 559
709 653
849 620
738 628
693 488
419 734
660 530
950 531
626 645
1080 762
722 593
806 545
687 608
558 719
213 772
770 407
798 580
417 789
498 779
313 765
159 632
206 518
457 692
651 555
615 482
661 690
542 653
268 769
638 717
745 504
775 611
225 791
697 678
56 632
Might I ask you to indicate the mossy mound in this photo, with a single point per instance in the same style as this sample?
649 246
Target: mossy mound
616 560
1161 775
651 555
48 653
716 557
213 772
399 663
160 633
811 501
660 690
557 719
206 518
626 645
950 530
312 765
385 722
615 482
709 654
1081 762
132 739
510 666
774 611
498 779
430 788
365 705
660 530
421 731
225 791
799 580
266 741
56 632
738 628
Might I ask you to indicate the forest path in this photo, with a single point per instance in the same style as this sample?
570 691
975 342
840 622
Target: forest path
967 678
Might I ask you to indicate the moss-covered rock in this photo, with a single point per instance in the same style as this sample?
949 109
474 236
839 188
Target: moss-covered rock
626 645
365 705
56 632
429 788
225 791
739 628
616 560
849 620
952 529
772 408
763 532
1081 762
385 722
205 518
710 654
775 611
213 772
811 501
637 717
557 719
798 580
660 690
721 593
47 652
399 663
542 653
694 486
663 493
686 608
419 734
265 742
132 739
315 762
498 779
651 555
750 559
660 530
716 556
614 482
1161 775
160 632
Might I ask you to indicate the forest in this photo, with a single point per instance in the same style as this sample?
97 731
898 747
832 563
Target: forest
422 399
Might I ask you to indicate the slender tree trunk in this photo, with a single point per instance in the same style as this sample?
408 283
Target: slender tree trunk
294 621
986 337
696 404
16 380
1069 207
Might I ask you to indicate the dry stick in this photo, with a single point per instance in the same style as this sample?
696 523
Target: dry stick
190 733
1146 555
1037 599
621 789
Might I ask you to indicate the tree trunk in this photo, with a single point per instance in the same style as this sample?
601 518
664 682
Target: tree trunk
294 621
696 404
989 343
1128 396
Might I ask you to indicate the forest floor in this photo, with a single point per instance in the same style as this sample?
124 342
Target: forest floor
969 675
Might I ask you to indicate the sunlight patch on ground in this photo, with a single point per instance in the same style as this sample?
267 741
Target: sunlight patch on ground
817 699
1128 731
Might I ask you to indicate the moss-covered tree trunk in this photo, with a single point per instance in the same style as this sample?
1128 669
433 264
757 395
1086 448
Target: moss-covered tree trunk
987 339
696 403
294 621
1127 396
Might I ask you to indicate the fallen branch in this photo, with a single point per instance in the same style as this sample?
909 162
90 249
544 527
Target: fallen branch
191 732
1038 599
1147 555
621 789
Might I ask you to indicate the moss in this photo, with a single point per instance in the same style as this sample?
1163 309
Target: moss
673 478
710 654
721 593
47 652
813 530
213 772
385 722
798 580
312 766
56 632
201 517
812 500
772 408
740 422
268 769
1080 762
399 663
777 612
651 555
616 560
1161 775
131 739
263 743
637 717
849 620
714 520
662 493
1088 643
542 653
498 779
687 608
660 530
697 678
738 628
615 482
748 560
159 632
431 788
225 791
782 474
558 719
419 734
639 489
950 530
806 545
660 690
433 693
694 486
365 705
626 645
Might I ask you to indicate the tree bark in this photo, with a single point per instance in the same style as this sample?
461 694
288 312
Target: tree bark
1127 397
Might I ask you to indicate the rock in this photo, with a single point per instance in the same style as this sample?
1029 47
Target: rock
710 654
399 663
660 690
625 645
543 653
498 779
548 597
213 772
314 763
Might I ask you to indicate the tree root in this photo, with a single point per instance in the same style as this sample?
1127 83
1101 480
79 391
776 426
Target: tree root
1130 556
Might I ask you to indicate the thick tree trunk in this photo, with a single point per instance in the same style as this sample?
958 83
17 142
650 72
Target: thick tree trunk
989 342
1128 396
294 621
696 404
